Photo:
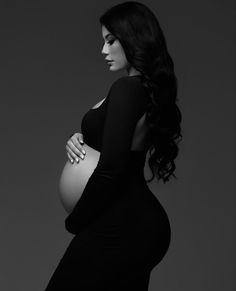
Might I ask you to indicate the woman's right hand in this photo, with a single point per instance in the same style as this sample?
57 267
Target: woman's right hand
74 149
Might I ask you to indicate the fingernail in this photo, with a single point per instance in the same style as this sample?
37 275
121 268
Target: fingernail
71 161
83 151
81 156
77 160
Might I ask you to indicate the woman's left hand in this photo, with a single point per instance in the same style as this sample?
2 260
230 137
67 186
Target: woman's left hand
74 149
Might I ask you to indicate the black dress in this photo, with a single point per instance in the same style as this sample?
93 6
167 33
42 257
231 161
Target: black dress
121 230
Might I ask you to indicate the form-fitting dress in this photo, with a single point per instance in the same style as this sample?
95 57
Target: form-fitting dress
121 230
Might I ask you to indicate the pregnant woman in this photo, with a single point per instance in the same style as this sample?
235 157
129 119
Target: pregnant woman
121 230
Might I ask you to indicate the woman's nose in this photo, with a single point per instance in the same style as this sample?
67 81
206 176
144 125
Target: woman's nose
103 49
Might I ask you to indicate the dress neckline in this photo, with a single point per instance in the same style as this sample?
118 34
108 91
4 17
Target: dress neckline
99 104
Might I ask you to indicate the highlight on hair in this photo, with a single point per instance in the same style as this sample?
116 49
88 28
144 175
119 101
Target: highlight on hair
139 32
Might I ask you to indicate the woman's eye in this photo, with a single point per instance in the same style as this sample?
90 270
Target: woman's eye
111 42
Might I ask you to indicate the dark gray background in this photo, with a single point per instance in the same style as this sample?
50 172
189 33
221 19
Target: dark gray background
52 72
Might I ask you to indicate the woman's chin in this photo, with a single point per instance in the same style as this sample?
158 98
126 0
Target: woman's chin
114 68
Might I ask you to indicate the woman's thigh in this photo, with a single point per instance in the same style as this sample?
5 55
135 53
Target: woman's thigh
98 268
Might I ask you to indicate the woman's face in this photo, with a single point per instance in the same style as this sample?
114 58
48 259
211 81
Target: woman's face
113 50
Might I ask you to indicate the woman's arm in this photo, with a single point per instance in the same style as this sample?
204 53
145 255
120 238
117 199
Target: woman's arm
126 104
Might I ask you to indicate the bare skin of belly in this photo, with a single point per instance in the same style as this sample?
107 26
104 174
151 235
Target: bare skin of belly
75 176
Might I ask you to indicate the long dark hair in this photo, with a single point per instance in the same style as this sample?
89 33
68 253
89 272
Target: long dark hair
138 30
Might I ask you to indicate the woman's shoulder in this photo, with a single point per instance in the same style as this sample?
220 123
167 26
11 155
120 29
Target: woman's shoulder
127 81
126 89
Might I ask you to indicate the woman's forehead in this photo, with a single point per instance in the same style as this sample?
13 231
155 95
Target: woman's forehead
105 32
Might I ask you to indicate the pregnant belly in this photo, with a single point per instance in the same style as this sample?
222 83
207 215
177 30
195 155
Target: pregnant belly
75 176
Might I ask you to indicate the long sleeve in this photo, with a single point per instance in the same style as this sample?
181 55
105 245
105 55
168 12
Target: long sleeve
126 104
